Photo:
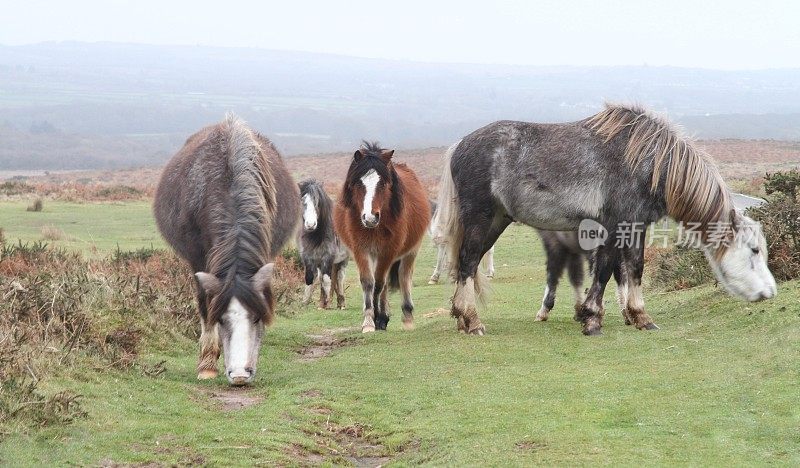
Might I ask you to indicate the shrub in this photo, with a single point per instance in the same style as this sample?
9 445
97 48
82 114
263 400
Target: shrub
37 205
780 221
60 311
15 187
119 192
678 268
784 182
52 233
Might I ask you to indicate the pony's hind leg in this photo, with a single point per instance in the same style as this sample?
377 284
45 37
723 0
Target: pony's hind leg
479 237
441 258
406 274
556 260
591 312
575 272
634 266
488 263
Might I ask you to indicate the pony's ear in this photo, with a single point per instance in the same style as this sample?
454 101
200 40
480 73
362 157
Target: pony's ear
358 155
386 155
208 282
263 277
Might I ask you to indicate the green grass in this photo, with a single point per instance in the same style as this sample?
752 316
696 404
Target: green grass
717 385
93 228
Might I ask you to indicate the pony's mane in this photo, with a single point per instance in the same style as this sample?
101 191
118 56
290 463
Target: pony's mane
324 222
693 188
371 159
243 224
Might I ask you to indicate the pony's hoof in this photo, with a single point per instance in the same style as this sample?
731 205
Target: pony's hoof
651 326
593 331
433 281
342 307
480 330
408 325
367 328
542 315
206 374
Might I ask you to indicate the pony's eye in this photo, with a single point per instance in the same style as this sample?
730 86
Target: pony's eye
754 250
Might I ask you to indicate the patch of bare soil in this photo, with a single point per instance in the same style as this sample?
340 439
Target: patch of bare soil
440 312
530 445
234 398
341 444
324 344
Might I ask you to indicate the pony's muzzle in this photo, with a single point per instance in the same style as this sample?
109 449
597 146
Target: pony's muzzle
310 226
240 377
370 220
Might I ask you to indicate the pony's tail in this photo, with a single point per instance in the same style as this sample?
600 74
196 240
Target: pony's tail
394 276
449 225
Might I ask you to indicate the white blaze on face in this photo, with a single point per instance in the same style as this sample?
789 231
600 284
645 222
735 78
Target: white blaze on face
370 181
310 213
240 326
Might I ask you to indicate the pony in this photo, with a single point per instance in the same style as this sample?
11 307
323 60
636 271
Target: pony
439 238
227 204
321 250
382 215
620 169
563 251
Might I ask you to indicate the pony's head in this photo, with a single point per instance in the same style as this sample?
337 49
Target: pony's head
238 308
741 266
316 205
372 187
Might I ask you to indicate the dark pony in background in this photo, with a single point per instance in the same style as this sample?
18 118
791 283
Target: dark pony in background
382 215
321 251
227 204
621 166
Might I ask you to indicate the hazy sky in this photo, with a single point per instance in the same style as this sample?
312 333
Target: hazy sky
710 34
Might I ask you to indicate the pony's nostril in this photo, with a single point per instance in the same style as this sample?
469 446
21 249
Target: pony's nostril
377 216
249 370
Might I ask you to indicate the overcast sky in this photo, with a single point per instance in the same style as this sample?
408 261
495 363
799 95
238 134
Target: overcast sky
730 34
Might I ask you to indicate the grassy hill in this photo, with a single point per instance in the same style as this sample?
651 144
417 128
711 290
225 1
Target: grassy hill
717 385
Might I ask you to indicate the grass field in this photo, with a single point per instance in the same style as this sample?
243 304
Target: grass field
717 385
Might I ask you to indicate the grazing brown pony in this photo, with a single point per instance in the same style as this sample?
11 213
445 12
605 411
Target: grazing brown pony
227 205
382 215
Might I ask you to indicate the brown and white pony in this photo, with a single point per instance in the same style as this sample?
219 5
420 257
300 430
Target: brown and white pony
382 215
227 204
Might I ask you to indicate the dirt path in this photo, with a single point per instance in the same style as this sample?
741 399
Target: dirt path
324 344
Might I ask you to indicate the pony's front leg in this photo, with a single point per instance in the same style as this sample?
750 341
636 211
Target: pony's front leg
365 272
325 286
209 340
380 293
338 284
621 277
591 312
634 267
441 257
310 275
209 351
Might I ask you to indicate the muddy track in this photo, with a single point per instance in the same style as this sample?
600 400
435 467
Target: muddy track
324 344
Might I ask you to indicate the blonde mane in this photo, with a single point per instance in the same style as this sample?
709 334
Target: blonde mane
694 190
